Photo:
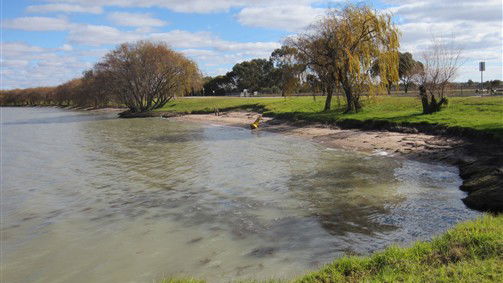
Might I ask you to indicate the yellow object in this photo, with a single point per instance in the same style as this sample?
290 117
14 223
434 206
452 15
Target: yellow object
255 124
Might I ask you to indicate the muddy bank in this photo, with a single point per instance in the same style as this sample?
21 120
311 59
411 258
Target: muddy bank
480 163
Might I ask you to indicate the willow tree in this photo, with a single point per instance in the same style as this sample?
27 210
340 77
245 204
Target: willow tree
342 48
146 75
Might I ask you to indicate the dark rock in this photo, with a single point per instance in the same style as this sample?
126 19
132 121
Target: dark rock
488 199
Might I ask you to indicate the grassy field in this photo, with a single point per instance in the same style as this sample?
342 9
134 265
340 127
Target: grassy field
470 252
482 114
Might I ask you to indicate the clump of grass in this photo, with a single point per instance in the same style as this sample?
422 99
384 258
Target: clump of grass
470 252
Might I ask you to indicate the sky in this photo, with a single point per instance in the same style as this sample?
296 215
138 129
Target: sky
47 42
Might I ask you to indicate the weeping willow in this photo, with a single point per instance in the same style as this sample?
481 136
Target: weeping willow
343 47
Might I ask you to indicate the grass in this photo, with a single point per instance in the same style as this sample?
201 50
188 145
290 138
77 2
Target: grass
475 113
470 252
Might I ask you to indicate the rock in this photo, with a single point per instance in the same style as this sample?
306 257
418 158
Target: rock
483 180
489 199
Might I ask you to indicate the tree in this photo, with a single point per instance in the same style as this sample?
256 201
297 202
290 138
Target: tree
408 69
146 75
289 69
252 75
218 85
469 83
492 85
342 47
441 62
66 93
94 90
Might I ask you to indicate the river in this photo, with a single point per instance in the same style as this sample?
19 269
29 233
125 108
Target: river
87 197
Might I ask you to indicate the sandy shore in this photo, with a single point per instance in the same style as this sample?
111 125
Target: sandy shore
417 146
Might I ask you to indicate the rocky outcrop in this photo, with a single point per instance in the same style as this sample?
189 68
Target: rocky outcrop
483 180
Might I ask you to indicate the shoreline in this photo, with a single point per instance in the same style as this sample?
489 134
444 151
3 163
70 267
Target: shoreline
417 146
478 156
480 169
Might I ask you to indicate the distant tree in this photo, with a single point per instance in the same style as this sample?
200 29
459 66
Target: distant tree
342 47
95 90
441 62
470 83
66 93
493 84
288 68
252 75
408 69
146 75
218 85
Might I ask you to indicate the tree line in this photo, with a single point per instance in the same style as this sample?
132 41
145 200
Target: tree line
141 76
353 51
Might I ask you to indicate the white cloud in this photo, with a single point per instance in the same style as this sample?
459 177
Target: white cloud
96 35
66 47
14 63
25 65
186 6
11 50
285 17
476 27
65 8
135 20
36 23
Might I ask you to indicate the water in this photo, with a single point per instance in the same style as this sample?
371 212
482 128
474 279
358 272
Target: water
90 198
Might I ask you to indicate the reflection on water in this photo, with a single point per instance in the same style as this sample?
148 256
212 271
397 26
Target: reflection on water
89 198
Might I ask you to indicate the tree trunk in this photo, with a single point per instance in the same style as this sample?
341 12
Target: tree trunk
430 105
353 102
328 100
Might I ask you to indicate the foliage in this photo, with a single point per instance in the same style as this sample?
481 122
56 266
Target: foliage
342 48
142 76
252 75
408 69
218 85
492 85
146 75
289 69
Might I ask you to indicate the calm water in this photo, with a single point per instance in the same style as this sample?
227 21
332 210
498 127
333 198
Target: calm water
91 198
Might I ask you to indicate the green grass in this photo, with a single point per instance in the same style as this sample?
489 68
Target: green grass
470 252
476 113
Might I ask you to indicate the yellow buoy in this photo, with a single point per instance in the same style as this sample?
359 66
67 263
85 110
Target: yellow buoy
255 124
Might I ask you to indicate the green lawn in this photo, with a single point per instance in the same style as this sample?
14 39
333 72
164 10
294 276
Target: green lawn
482 114
470 252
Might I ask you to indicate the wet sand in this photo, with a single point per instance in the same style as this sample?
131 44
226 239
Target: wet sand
411 145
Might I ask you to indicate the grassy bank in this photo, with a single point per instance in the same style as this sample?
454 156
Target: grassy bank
474 113
470 252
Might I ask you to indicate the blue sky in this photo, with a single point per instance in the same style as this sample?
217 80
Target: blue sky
46 42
